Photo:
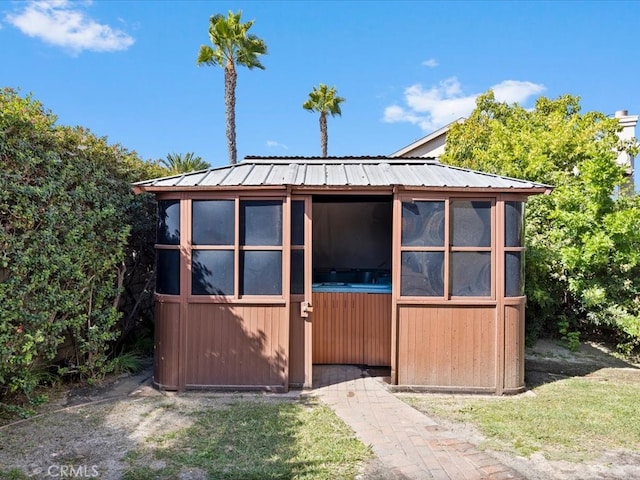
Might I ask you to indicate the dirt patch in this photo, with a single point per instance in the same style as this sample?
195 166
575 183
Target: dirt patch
83 432
548 361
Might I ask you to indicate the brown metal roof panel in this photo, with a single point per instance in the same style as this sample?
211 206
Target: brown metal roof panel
356 174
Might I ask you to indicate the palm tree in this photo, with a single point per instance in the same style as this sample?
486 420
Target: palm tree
231 45
178 163
326 101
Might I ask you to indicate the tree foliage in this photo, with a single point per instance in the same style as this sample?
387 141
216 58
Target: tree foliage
583 240
324 100
232 45
178 163
66 210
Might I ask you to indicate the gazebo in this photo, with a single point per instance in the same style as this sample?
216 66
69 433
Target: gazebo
273 265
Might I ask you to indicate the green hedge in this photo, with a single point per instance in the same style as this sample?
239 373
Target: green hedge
66 209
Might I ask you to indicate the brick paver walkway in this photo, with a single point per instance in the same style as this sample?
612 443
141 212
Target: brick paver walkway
405 440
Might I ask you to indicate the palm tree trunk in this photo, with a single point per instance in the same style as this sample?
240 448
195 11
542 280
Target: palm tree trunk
324 135
230 78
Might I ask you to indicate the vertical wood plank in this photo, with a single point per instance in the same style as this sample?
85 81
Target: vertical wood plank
514 346
376 329
446 346
297 346
352 328
237 345
167 345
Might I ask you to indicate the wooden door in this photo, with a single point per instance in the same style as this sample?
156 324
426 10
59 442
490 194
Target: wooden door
300 362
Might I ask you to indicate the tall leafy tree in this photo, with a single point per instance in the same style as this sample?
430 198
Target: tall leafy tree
178 163
232 45
583 243
326 101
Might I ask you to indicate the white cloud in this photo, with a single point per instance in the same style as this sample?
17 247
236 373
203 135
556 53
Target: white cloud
64 24
441 104
274 144
431 63
513 91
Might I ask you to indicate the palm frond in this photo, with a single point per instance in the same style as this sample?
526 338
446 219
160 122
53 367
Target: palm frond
178 163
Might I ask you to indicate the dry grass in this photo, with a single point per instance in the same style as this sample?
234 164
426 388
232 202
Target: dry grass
573 419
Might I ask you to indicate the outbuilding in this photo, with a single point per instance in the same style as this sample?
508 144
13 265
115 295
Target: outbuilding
271 266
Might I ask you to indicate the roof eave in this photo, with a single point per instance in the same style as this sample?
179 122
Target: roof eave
139 189
470 190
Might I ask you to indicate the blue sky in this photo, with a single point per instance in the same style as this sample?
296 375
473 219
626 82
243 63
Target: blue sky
127 69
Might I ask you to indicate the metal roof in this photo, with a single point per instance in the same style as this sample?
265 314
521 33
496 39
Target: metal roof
338 172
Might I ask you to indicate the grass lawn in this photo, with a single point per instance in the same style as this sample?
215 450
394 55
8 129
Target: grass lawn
573 419
254 439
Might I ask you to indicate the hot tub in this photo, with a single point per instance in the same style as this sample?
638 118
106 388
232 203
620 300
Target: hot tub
340 287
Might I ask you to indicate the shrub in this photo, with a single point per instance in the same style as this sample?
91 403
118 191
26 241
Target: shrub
65 219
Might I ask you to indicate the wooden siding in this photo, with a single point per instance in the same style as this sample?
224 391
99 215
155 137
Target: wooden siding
167 342
447 346
514 346
237 346
377 329
352 328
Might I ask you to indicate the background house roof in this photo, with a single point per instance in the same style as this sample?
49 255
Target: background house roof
339 172
431 145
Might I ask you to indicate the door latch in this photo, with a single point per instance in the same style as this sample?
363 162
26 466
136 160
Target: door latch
305 309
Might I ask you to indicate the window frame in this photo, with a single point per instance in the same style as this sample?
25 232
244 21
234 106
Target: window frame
470 248
447 248
425 248
169 246
306 225
521 249
237 248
